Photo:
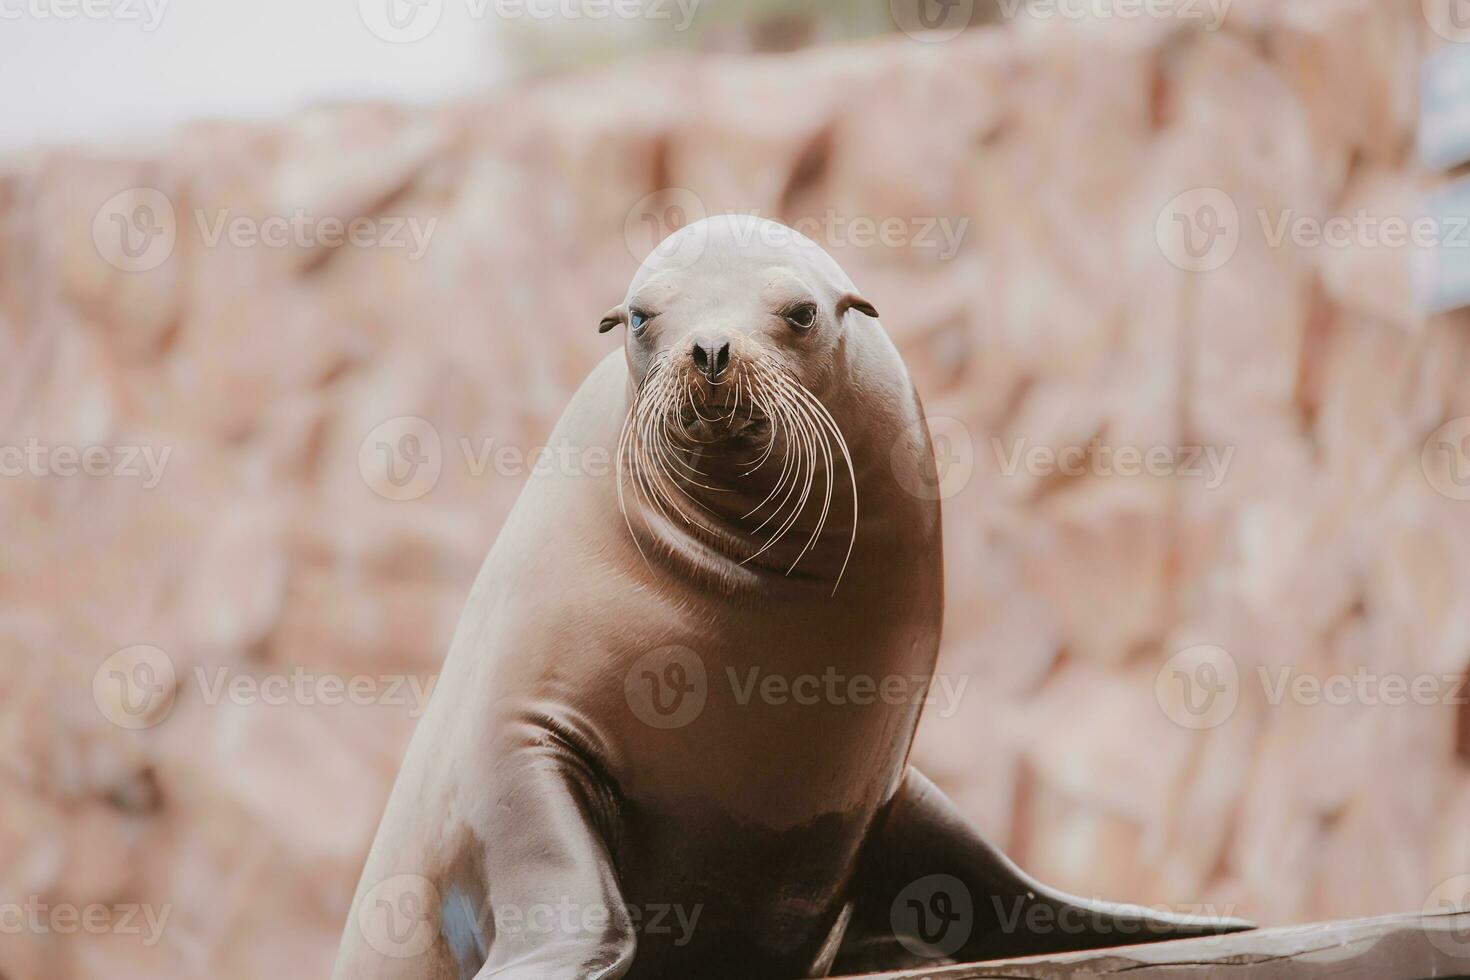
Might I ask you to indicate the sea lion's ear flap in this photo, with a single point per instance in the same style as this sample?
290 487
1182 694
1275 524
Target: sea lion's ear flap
611 319
852 301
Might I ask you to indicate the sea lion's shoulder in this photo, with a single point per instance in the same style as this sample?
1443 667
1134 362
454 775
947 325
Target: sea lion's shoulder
595 411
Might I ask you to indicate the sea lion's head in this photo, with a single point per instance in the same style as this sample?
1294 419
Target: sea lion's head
740 346
728 312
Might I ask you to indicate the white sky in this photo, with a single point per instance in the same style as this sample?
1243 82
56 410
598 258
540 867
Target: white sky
102 76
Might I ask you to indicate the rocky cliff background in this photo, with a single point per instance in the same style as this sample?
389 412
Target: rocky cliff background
1057 311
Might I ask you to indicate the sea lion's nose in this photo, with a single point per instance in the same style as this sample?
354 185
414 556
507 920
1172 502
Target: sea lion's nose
711 357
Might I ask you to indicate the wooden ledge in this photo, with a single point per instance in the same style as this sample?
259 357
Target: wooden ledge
1412 946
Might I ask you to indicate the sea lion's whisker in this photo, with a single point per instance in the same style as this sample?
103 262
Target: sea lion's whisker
796 450
825 445
655 430
661 459
771 434
808 456
774 410
670 456
662 398
826 419
631 450
815 431
654 491
760 396
669 447
683 433
774 407
689 388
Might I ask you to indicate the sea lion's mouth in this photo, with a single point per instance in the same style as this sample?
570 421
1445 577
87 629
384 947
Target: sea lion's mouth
701 426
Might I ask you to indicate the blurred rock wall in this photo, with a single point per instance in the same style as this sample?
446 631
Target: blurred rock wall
1061 315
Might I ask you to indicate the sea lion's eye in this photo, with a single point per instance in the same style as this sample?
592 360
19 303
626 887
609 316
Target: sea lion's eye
802 317
637 320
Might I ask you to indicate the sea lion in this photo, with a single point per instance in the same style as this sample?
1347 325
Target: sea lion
671 735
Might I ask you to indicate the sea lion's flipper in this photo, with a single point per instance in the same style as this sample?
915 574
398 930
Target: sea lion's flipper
545 850
931 889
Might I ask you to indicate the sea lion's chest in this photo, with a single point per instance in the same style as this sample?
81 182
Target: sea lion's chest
780 711
751 759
